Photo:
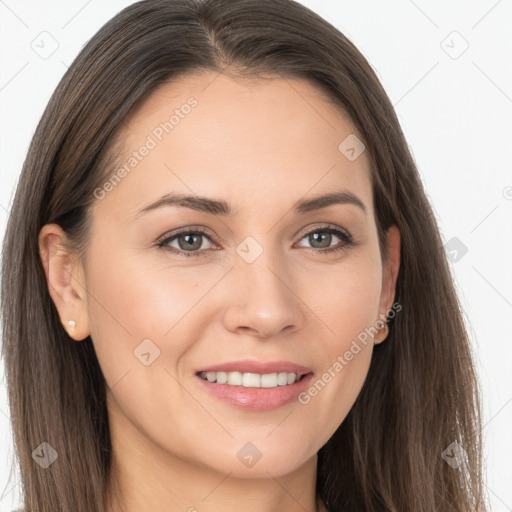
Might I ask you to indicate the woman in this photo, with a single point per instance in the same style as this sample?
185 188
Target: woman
223 285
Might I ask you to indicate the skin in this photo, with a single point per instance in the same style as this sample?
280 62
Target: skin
268 143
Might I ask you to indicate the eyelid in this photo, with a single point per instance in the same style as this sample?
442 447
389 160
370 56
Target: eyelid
322 227
189 229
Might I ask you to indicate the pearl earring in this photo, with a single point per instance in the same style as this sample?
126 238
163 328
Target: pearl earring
72 325
382 334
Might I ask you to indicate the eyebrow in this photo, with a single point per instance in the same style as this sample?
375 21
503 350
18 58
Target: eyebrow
220 207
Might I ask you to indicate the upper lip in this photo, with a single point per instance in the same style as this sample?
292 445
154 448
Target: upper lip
262 367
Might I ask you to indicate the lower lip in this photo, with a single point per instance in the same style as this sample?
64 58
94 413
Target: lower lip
257 399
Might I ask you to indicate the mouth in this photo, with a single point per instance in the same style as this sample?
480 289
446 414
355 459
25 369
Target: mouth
255 386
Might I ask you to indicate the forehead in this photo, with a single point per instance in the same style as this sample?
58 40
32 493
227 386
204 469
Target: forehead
209 133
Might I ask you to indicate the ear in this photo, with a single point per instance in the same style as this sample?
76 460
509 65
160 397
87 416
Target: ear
65 278
389 276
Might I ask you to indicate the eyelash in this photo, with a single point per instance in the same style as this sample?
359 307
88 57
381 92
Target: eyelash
347 239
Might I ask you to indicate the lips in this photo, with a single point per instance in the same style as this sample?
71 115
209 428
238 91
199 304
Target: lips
256 399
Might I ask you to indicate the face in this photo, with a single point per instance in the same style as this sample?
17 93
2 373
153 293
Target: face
253 285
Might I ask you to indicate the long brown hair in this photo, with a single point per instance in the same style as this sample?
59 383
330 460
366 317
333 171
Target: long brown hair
421 394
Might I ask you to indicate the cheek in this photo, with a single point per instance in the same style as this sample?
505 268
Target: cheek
347 303
125 307
132 294
132 301
346 298
353 310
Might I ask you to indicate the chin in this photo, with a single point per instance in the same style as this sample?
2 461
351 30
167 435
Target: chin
259 459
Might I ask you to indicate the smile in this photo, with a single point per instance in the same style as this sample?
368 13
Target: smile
251 380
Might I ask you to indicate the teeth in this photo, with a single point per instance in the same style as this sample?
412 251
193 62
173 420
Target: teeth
222 377
282 378
251 380
234 378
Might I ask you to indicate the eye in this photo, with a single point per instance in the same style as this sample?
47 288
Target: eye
189 242
321 238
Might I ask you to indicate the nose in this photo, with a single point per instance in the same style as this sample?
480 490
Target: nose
262 300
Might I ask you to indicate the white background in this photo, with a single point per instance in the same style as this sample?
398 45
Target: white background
455 109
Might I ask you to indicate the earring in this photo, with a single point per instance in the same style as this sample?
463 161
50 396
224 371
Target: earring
385 333
71 325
